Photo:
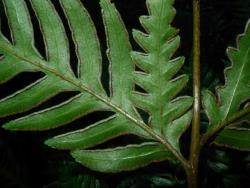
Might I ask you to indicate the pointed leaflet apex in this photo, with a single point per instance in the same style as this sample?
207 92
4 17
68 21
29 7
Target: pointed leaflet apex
160 43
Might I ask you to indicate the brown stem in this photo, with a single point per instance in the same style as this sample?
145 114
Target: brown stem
192 179
192 174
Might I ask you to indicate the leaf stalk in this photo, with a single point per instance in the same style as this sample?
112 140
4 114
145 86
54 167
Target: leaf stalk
192 173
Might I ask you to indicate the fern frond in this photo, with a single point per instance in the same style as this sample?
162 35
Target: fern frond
168 115
59 76
236 90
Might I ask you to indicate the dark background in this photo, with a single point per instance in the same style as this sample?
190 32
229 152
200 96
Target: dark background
26 162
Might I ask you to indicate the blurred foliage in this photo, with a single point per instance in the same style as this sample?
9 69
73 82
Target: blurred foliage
25 164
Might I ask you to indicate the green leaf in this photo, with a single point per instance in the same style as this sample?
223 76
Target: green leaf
236 89
10 70
39 91
95 134
231 96
55 65
118 53
57 49
58 115
21 55
87 43
20 25
168 115
21 35
234 138
121 158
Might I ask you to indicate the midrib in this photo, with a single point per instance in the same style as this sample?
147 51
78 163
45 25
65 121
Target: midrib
81 87
237 83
